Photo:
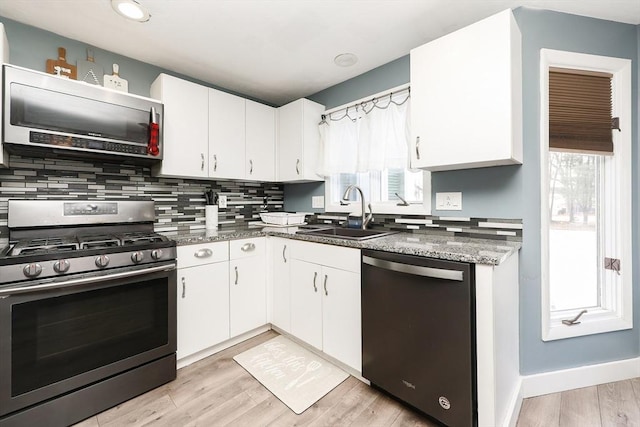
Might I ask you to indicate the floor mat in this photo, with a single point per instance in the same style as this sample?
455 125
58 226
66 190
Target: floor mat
293 374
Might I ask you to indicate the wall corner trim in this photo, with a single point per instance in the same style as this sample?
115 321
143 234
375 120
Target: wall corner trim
583 376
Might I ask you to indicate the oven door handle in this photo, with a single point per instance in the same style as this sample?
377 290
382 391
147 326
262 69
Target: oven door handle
85 280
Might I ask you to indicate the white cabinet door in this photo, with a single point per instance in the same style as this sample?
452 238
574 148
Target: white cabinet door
202 308
185 127
260 142
281 275
341 331
226 135
466 97
306 302
247 294
298 140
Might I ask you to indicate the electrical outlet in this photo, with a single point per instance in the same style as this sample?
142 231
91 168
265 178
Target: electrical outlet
449 201
317 202
222 201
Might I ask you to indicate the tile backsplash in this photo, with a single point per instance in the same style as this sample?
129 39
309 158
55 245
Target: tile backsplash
179 202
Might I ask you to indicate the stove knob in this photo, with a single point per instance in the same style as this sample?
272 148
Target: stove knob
32 270
137 257
156 254
61 266
102 261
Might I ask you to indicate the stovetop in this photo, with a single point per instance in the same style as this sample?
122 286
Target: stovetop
70 244
58 239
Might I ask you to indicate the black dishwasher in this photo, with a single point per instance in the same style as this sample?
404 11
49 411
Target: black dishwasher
418 333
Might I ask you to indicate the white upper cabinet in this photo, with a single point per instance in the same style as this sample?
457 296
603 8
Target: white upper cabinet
298 140
4 57
466 97
260 160
226 135
185 127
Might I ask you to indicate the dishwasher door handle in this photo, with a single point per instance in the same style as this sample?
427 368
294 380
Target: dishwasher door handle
416 270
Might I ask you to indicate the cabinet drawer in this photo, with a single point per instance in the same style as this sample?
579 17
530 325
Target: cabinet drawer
202 253
245 248
332 256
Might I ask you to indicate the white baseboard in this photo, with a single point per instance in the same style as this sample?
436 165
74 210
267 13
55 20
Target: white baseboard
583 376
514 406
188 360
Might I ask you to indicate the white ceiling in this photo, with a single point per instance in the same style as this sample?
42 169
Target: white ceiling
278 50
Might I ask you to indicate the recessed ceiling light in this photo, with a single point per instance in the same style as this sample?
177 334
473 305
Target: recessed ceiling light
345 60
131 9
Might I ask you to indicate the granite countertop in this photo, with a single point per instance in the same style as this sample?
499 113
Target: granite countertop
464 249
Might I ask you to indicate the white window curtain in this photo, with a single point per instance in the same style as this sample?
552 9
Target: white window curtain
371 136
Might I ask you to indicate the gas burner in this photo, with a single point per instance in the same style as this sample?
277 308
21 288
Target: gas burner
98 242
140 238
44 246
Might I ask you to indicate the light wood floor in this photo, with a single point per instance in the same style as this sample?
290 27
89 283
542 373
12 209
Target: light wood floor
216 391
613 404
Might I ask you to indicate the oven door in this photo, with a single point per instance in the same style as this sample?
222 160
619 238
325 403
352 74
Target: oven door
59 337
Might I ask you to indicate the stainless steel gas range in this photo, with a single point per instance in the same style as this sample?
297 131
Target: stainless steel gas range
87 309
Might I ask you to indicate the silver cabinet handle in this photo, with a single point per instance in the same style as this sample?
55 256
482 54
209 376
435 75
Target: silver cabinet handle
203 253
315 276
236 268
416 270
215 162
417 147
284 250
248 247
298 166
184 288
325 285
202 161
250 167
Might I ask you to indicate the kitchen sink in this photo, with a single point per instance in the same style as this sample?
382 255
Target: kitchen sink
346 233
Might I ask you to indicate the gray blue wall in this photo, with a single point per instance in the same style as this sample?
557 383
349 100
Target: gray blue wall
544 29
514 191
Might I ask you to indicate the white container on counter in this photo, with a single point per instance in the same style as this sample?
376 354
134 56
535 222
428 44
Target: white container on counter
211 217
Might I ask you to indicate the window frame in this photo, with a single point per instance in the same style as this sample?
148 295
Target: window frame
390 207
616 308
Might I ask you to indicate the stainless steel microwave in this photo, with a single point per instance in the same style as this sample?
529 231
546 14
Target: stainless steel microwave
49 115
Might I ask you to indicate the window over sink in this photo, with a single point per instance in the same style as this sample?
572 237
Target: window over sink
366 143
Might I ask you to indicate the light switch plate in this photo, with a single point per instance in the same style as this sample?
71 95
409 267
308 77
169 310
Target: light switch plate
317 202
222 201
449 201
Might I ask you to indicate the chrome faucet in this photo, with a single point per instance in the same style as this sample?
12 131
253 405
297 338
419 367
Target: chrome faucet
365 218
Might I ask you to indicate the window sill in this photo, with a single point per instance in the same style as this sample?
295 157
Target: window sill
596 322
382 208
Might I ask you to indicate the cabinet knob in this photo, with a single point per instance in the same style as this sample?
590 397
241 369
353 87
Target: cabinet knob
315 276
250 167
417 147
202 161
298 166
236 268
325 285
184 288
215 162
284 250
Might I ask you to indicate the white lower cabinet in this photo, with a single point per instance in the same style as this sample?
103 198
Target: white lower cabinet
203 297
280 275
341 318
325 300
306 302
247 285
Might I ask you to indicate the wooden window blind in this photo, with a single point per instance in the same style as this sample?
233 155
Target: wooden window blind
580 111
